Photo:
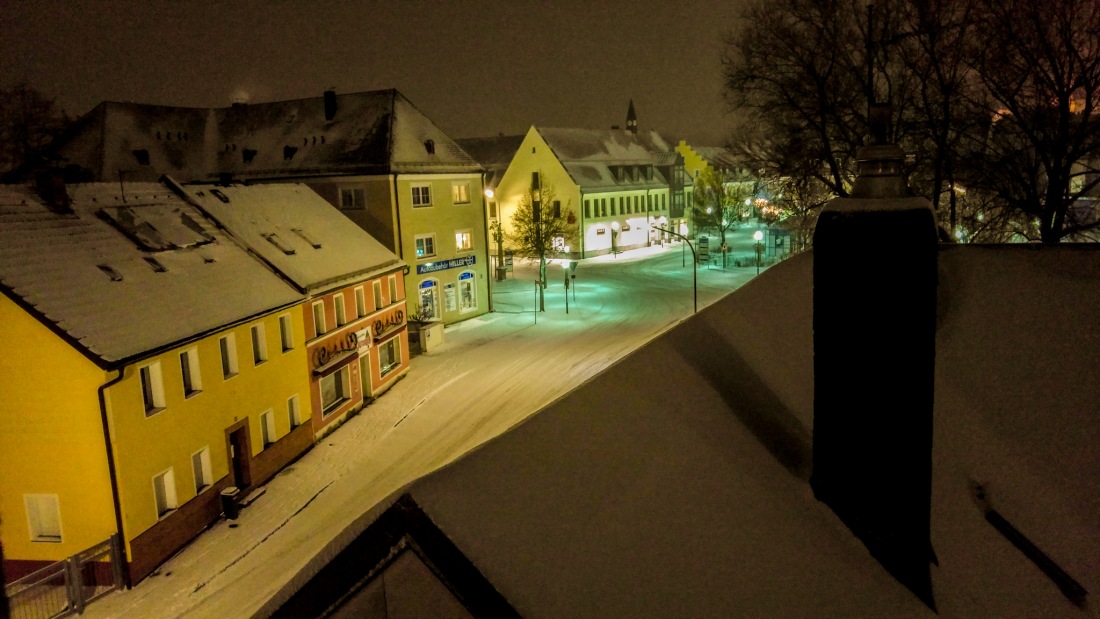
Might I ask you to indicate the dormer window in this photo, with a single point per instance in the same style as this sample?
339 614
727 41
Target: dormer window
288 152
429 145
142 156
247 154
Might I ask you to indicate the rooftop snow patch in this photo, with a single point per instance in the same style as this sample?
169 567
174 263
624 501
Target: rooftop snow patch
675 483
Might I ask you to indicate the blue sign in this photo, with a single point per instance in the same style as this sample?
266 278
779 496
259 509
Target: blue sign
443 265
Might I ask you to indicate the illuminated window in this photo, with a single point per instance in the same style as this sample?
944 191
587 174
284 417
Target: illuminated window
353 199
335 390
152 388
460 193
464 240
425 245
389 355
421 195
467 292
43 517
189 368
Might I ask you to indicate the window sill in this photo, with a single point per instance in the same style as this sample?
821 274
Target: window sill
203 489
154 411
191 394
335 406
258 362
46 539
166 514
228 376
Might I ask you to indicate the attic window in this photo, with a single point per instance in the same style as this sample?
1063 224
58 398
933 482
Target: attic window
142 156
429 145
219 195
113 274
306 237
247 154
157 266
277 242
208 259
288 152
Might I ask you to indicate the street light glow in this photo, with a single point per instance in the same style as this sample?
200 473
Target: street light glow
758 236
489 192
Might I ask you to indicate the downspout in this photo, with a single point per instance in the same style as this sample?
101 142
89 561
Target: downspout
485 223
113 473
581 228
397 217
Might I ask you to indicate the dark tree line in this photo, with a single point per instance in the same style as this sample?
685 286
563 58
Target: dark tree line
29 122
995 102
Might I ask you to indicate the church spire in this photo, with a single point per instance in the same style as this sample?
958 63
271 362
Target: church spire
631 119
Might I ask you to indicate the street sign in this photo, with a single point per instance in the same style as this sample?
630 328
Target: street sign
572 265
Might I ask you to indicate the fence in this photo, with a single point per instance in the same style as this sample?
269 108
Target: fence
66 587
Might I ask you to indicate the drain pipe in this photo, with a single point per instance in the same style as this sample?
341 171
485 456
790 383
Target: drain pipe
114 475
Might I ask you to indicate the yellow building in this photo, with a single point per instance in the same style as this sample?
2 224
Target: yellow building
150 362
373 155
621 187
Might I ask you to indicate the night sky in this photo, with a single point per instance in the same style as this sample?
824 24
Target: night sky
475 68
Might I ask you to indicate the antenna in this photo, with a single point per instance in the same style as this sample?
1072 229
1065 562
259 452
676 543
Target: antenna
121 188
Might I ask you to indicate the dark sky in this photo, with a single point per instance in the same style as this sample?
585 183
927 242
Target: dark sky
476 68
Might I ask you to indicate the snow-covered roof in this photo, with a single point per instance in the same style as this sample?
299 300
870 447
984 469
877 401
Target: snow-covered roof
719 157
297 232
605 145
130 269
675 483
375 132
494 154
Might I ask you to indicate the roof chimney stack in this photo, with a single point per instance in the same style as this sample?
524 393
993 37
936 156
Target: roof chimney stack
330 104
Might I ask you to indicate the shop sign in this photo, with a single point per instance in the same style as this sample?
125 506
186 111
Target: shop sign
443 265
364 341
389 323
328 352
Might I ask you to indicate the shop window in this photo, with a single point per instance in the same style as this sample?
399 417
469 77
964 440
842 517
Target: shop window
429 299
228 346
189 368
467 292
389 355
200 466
43 517
164 492
335 390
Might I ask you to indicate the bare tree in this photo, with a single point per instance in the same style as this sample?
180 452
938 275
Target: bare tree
29 122
720 202
538 222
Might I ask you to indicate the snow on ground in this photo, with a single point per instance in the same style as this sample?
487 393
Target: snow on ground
492 372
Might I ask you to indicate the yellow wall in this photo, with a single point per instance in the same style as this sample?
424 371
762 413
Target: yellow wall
51 439
694 164
535 155
147 445
443 219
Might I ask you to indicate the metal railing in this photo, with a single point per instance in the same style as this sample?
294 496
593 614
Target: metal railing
67 587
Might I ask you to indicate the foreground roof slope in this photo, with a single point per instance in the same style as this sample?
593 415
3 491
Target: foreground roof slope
130 269
628 498
297 231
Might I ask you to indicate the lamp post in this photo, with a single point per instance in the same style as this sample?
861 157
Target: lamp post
694 268
614 236
758 236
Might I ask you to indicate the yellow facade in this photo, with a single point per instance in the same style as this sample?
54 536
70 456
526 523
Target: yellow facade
51 438
535 155
147 445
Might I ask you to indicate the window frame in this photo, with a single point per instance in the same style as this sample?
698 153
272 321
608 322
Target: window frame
360 302
319 326
268 435
379 303
203 475
171 502
460 192
38 527
419 192
227 347
430 237
259 343
468 233
342 389
294 411
392 349
286 332
190 373
359 204
341 309
152 388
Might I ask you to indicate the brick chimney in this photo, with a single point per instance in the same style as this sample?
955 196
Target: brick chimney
874 319
330 104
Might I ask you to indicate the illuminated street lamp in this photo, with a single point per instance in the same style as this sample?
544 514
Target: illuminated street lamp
694 267
614 236
489 193
758 236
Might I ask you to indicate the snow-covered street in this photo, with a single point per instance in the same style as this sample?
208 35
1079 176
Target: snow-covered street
491 373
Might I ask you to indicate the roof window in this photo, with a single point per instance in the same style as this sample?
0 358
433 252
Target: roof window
113 274
288 152
277 242
142 156
429 145
157 266
306 237
248 154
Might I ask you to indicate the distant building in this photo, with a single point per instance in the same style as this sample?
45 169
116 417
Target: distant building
373 155
616 185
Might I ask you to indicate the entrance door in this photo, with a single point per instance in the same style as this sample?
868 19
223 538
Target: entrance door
429 299
240 454
364 375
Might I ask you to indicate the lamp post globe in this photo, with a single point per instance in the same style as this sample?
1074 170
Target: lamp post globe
758 236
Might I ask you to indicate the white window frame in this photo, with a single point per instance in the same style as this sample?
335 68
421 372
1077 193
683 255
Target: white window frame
294 411
342 388
267 428
201 469
468 236
152 388
319 318
358 199
417 245
472 283
43 517
360 302
460 193
227 346
419 193
190 373
393 289
259 343
378 302
167 487
341 311
286 332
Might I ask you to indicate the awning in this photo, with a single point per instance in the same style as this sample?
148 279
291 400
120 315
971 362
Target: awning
341 359
388 333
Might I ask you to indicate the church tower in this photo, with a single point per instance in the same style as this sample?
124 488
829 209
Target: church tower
631 119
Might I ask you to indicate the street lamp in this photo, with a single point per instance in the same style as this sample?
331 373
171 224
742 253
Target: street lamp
694 268
758 236
614 235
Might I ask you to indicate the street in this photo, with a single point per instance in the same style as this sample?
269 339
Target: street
490 374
